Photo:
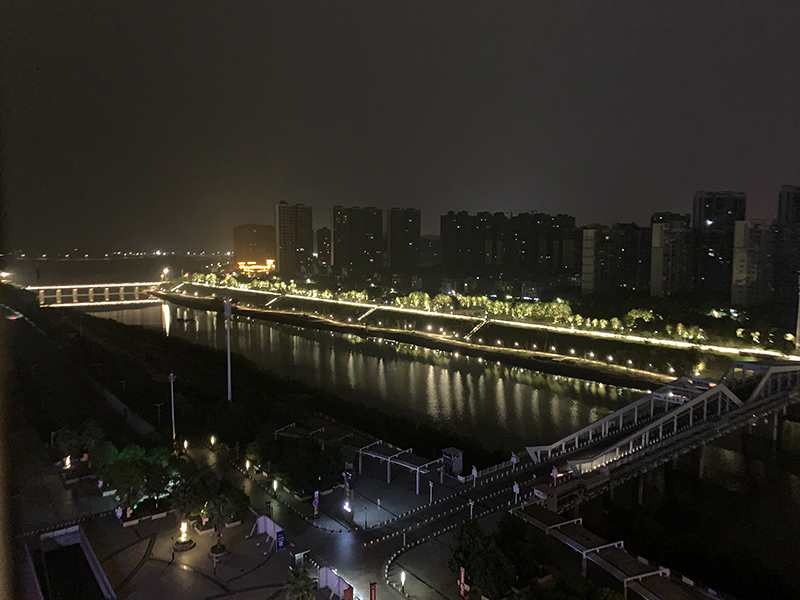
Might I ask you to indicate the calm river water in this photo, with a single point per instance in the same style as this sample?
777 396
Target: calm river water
501 406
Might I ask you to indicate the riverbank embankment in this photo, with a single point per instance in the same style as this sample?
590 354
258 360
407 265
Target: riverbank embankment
577 367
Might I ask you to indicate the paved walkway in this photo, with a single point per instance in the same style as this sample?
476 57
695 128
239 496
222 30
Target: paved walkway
140 564
43 500
361 556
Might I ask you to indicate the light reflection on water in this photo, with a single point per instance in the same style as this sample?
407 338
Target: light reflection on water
500 405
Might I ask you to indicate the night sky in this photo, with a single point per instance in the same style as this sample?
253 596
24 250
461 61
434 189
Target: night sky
161 125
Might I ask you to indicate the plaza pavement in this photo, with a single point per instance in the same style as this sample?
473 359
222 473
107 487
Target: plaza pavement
42 499
416 541
140 563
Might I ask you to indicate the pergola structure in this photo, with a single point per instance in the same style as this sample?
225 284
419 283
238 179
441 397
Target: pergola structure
398 456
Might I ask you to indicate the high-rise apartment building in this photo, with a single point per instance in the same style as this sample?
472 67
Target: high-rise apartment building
753 262
716 210
294 236
789 205
615 258
713 220
460 245
787 251
254 247
324 246
403 230
527 245
356 239
672 258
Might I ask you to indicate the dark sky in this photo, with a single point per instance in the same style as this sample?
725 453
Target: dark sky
147 125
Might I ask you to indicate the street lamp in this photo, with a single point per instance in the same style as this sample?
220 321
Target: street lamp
403 581
171 380
213 441
164 274
228 314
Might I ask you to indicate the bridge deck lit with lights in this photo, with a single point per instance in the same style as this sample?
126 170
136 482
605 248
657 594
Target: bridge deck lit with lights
95 294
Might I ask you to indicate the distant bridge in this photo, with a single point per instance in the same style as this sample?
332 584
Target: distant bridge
95 294
676 419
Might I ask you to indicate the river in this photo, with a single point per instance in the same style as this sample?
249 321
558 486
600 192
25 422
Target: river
502 406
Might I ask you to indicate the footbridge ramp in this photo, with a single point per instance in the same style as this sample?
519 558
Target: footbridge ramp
674 420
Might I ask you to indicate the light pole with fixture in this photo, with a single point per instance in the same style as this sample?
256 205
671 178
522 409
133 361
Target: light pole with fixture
171 379
228 311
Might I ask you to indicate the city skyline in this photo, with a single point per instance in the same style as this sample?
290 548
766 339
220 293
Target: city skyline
786 198
608 113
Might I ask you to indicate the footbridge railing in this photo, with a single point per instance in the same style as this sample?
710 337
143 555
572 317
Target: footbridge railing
645 409
715 409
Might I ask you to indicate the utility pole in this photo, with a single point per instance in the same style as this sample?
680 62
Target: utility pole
228 329
171 380
797 328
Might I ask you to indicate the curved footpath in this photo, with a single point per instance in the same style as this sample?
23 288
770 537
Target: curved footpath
564 366
363 556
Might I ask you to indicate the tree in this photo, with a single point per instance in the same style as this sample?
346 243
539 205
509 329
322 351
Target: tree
525 547
68 442
493 572
156 481
105 454
128 477
468 541
186 500
301 586
91 435
186 491
419 300
442 302
639 314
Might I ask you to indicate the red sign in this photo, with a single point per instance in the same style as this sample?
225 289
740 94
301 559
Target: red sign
463 592
373 591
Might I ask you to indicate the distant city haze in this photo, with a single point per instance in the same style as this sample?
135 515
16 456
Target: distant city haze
163 125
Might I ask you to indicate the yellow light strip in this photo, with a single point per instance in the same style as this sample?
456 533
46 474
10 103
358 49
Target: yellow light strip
554 328
103 303
33 288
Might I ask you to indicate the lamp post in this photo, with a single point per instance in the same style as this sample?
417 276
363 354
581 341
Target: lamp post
171 380
430 498
228 330
797 328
